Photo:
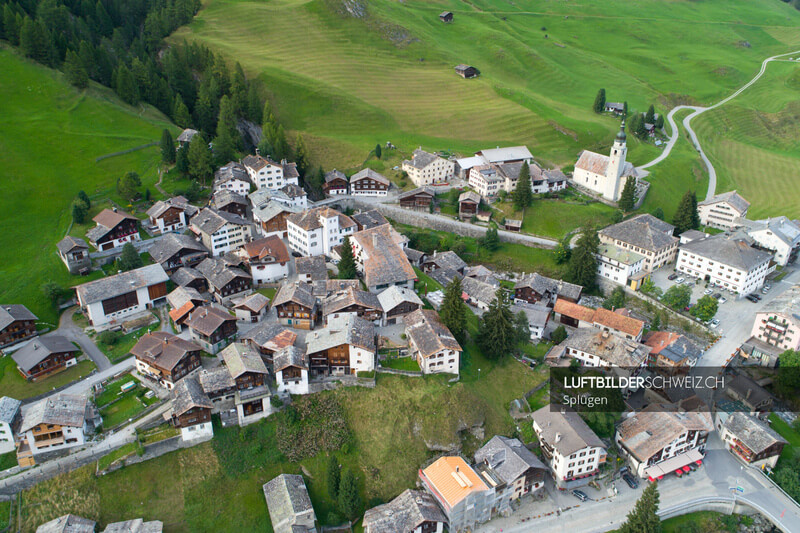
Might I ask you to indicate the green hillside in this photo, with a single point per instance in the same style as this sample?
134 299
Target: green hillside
754 142
384 69
50 138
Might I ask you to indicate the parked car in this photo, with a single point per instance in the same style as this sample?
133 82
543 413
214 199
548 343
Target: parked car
768 286
757 296
708 291
723 300
629 479
752 298
764 290
580 495
714 323
718 295
679 280
672 276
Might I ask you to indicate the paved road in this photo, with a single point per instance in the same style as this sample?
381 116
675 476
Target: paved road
720 472
84 386
75 333
697 110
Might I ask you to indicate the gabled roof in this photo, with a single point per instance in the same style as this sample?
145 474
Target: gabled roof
186 135
211 220
256 302
414 192
428 332
347 297
188 394
240 359
292 190
287 498
371 174
511 153
290 356
225 197
39 348
289 169
325 287
111 219
673 346
10 313
9 408
313 266
215 380
163 349
104 288
208 319
335 175
593 162
732 198
384 259
508 458
137 525
231 171
185 275
421 159
611 348
573 310
257 162
453 479
649 431
269 209
543 285
171 244
369 219
478 290
447 259
69 523
537 314
178 202
405 513
729 250
311 219
69 243
751 432
218 273
644 231
183 295
271 336
297 293
574 434
395 295
617 321
59 409
347 329
469 196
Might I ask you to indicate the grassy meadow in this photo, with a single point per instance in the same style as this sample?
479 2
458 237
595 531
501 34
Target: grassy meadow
50 138
13 384
753 142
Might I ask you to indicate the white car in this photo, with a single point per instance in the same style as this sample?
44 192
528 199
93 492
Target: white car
708 291
723 300
679 281
714 323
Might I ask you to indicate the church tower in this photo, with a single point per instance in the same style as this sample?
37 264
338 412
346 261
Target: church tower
616 165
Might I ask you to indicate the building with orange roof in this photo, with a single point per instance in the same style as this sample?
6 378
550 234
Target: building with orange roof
671 350
579 316
572 314
465 497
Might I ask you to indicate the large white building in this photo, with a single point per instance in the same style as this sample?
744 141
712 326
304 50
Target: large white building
645 235
618 265
778 322
53 424
267 174
220 231
780 235
9 412
431 343
489 180
605 174
232 177
425 168
317 231
722 210
570 448
727 261
113 299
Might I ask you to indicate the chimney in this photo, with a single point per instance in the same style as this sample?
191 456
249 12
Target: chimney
456 468
114 209
375 240
747 396
558 437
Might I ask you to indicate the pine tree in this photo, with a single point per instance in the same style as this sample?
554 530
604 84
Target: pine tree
348 498
655 324
522 328
658 213
334 474
650 117
600 101
628 197
200 158
301 156
83 197
182 160
582 267
167 147
453 312
126 86
643 518
180 113
33 40
226 122
128 185
660 122
10 26
129 259
496 334
523 196
624 109
378 150
616 299
490 241
683 218
347 264
559 335
75 71
640 130
79 212
280 147
254 107
695 212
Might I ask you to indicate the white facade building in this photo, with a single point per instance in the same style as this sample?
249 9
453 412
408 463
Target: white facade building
431 343
55 423
291 370
425 168
605 175
220 231
317 231
9 411
780 235
618 265
232 177
268 174
725 260
722 210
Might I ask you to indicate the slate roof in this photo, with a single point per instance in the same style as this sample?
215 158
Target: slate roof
469 196
39 348
185 275
782 227
208 318
644 231
69 243
543 285
649 431
187 394
186 135
447 259
751 432
293 356
385 263
325 287
163 349
347 329
240 359
394 296
404 514
478 290
271 336
347 297
136 525
443 276
271 208
371 174
574 432
413 255
731 251
9 408
225 197
287 497
218 273
429 333
413 192
59 409
210 220
10 313
231 171
180 296
293 191
369 219
508 458
421 159
787 303
215 380
748 390
733 198
511 153
673 346
610 347
257 162
289 169
171 244
334 174
294 292
161 206
537 314
255 302
311 219
122 283
69 523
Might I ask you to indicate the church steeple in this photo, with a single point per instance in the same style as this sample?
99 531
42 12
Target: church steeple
621 133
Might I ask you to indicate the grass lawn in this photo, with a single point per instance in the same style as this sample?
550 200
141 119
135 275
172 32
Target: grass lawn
159 433
754 142
707 521
268 292
119 453
121 349
13 384
112 390
555 218
787 432
129 403
5 513
401 363
354 81
51 136
8 460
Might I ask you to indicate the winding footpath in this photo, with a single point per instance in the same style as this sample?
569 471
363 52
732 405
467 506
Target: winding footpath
697 110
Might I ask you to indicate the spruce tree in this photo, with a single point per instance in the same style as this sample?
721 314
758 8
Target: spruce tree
378 150
182 160
347 264
497 336
490 241
695 212
348 498
600 101
523 196
683 218
126 86
280 147
301 156
650 117
130 258
10 26
660 122
655 324
180 113
128 185
616 299
200 159
522 328
582 267
167 146
625 109
83 197
79 212
640 130
75 71
254 107
628 197
658 213
453 312
334 475
643 518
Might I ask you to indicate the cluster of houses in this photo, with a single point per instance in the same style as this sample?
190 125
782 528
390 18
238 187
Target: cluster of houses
71 523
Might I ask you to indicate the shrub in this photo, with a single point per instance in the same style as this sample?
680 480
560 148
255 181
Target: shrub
275 402
109 338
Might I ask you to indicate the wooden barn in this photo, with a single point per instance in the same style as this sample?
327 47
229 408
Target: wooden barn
466 71
446 16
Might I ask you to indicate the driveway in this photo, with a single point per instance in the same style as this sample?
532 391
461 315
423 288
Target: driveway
75 333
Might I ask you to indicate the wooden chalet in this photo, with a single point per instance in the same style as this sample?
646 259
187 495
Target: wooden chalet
419 199
44 356
174 251
535 288
513 225
335 183
224 281
172 214
369 182
75 254
296 306
165 357
352 301
345 347
191 407
190 277
468 203
446 16
397 302
17 323
183 301
447 260
466 71
230 202
211 327
245 366
268 338
114 228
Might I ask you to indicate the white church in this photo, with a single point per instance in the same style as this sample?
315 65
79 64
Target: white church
605 174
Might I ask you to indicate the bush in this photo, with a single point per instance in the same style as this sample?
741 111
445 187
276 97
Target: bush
275 402
109 338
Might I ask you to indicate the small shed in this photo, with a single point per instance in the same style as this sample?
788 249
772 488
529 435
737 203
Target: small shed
513 225
466 71
446 16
